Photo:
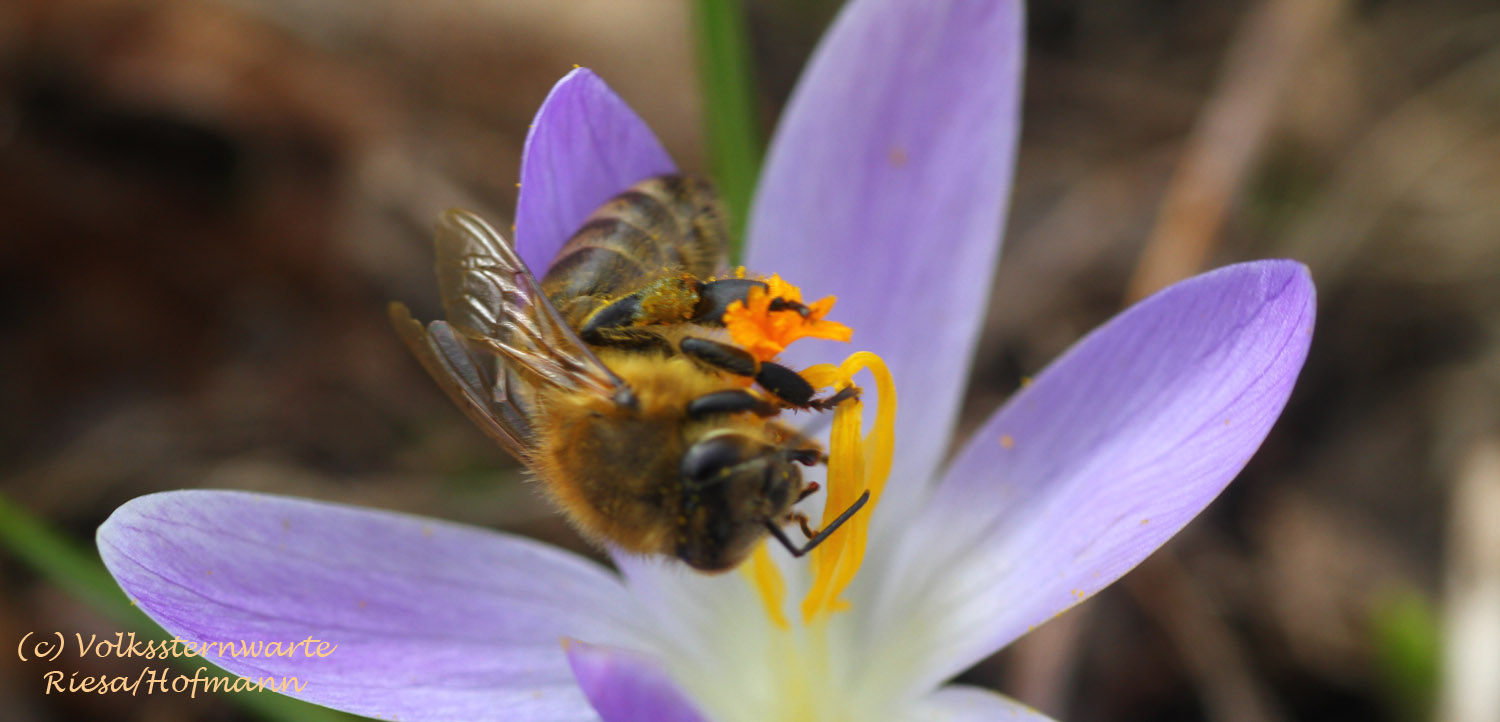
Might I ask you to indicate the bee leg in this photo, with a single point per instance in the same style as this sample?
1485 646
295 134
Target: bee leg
844 394
621 313
802 521
721 356
786 304
630 339
790 387
715 297
818 538
806 457
785 384
782 382
674 300
811 488
733 401
664 301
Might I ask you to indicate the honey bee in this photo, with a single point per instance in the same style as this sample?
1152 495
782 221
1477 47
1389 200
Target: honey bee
610 381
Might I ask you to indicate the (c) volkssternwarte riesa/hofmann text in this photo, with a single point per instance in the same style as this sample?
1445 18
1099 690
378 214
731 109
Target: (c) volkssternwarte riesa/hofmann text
162 679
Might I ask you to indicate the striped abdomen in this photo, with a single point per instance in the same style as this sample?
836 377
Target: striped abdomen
662 226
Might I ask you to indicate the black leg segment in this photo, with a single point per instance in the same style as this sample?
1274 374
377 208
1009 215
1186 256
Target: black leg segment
721 356
715 297
844 394
641 339
733 401
621 313
785 383
818 538
786 304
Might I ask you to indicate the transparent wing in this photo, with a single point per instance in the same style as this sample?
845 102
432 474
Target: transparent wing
486 391
492 300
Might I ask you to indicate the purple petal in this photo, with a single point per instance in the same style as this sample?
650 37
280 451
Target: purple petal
431 620
960 703
585 146
1109 453
626 687
886 185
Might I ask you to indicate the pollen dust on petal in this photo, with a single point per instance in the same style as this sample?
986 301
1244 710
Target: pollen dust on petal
766 333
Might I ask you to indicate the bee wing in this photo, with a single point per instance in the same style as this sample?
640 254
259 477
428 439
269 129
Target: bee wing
487 392
493 300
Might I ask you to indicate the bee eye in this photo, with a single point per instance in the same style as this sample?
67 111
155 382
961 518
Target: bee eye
710 460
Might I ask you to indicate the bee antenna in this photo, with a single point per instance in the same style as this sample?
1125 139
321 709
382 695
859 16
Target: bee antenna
820 536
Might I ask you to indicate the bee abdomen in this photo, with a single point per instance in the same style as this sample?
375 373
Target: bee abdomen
597 271
662 226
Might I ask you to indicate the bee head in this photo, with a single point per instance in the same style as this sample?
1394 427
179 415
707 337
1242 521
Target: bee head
733 484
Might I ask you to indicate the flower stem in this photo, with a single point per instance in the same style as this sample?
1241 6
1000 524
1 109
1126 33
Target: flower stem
731 125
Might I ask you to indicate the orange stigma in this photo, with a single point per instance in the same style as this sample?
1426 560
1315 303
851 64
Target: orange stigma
765 333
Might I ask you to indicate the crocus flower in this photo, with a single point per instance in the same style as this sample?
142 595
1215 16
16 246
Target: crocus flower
884 185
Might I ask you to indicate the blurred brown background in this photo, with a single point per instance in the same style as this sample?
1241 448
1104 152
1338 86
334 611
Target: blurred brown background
206 204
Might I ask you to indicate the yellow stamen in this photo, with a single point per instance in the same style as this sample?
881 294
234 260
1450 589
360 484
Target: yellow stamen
765 333
854 465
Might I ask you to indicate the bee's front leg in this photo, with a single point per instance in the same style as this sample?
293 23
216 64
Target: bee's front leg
803 522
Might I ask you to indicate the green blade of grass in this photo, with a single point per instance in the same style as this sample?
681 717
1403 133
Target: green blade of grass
1406 635
729 115
78 572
